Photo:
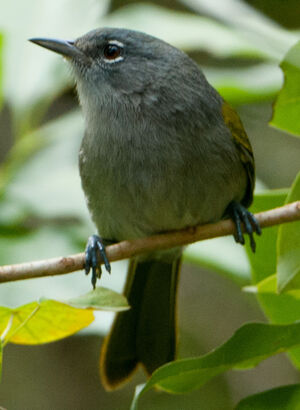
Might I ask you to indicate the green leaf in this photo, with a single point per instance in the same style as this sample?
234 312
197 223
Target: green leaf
249 345
281 308
101 299
267 285
263 262
43 322
287 105
288 264
283 398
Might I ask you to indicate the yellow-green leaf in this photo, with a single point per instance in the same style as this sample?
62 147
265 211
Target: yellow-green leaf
287 105
280 308
43 322
102 299
250 344
263 262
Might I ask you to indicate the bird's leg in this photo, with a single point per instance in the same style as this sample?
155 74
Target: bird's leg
94 251
239 215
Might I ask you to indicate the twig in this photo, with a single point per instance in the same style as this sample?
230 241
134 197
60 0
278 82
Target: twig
128 249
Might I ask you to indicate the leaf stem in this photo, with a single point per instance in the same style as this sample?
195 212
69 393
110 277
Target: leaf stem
7 329
31 314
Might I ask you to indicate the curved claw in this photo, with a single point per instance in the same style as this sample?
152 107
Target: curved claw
240 214
94 249
101 248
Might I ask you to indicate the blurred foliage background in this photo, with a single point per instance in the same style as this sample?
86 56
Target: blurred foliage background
42 209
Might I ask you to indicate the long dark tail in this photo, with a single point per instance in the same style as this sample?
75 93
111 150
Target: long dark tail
146 333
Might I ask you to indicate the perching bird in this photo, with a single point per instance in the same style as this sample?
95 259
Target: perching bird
162 151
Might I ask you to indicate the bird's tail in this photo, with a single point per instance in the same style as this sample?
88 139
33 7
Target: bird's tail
146 333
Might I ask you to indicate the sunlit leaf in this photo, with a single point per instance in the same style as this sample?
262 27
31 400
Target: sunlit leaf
283 398
250 344
267 285
287 105
288 265
102 299
5 314
43 322
281 308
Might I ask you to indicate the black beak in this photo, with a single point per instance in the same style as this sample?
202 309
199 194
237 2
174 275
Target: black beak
63 47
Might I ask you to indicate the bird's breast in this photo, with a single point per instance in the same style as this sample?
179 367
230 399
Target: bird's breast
139 181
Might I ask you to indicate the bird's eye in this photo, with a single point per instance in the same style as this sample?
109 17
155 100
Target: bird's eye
112 51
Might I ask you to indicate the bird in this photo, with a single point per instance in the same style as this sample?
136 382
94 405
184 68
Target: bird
162 151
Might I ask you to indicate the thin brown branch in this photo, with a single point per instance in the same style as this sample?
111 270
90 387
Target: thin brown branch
128 249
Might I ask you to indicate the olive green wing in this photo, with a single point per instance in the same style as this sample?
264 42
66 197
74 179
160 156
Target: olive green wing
240 138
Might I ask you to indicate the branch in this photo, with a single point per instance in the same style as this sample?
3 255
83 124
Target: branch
128 249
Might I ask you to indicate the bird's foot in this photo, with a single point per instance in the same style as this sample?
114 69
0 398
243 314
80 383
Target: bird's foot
239 215
94 252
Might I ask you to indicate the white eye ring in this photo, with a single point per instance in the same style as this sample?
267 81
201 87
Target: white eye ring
116 43
119 58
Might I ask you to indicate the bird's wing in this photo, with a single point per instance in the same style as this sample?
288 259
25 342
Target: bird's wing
244 148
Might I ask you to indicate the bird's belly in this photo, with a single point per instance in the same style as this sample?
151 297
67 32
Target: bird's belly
136 202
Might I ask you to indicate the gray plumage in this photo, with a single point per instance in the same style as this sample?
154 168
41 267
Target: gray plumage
162 151
156 154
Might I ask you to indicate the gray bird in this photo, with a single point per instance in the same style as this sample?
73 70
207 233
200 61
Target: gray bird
161 151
